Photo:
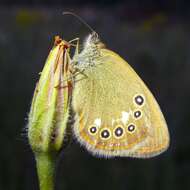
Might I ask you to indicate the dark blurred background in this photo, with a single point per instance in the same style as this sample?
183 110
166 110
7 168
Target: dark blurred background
153 36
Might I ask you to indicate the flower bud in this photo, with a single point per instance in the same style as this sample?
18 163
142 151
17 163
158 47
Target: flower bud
49 111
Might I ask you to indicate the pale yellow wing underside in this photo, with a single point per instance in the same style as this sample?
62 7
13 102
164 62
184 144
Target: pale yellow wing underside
104 99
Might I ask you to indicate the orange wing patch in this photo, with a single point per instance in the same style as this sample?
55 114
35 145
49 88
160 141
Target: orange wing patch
111 138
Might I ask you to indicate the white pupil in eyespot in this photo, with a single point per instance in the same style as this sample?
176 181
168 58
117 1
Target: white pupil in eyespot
93 129
119 131
137 114
105 134
139 100
131 128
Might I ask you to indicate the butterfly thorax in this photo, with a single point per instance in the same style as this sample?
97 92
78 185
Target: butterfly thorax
91 53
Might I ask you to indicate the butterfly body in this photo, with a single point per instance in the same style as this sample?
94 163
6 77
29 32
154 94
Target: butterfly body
116 114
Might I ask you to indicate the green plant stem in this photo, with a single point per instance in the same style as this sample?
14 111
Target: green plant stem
46 166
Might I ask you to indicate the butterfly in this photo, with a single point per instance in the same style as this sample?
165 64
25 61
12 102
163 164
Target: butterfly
115 113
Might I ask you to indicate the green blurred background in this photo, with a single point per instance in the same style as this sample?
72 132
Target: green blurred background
153 36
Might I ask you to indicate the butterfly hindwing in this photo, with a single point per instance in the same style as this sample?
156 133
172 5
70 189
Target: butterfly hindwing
116 114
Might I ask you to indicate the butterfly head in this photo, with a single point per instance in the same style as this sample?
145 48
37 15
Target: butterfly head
91 52
93 40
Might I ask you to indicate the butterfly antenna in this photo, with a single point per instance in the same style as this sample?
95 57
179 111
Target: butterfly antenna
81 20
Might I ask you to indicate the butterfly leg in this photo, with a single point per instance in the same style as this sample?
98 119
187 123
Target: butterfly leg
75 45
71 78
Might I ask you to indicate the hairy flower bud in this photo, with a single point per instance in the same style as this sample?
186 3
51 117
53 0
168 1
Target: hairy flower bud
49 111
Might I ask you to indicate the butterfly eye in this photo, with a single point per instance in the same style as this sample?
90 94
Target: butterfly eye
93 130
137 114
118 132
139 100
105 134
131 128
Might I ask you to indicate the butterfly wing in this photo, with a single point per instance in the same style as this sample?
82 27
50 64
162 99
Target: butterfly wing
116 114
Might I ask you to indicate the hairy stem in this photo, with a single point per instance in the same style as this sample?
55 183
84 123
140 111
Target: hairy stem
46 166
